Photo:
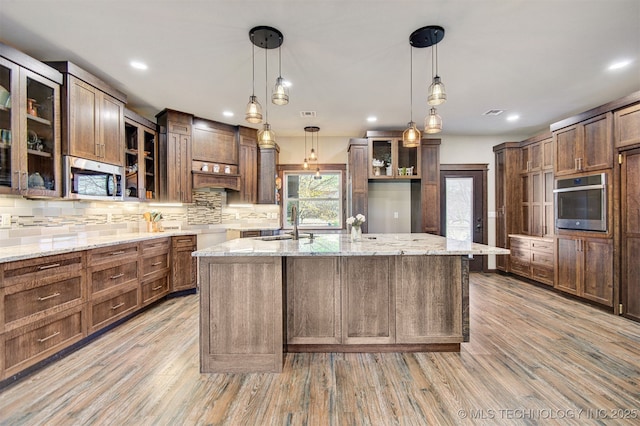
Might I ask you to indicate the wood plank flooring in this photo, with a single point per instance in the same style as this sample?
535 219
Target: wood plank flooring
534 358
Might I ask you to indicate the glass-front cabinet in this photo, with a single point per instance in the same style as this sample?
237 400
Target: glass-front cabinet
29 127
140 157
389 159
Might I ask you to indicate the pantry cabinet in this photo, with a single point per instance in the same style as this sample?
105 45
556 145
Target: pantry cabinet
508 196
30 132
93 116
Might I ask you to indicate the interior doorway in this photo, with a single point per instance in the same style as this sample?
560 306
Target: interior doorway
630 233
463 200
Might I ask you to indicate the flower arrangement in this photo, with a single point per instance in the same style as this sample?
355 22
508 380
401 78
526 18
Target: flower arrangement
356 221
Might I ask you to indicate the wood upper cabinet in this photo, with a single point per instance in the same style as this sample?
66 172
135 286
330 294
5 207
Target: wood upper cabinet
313 300
214 142
626 123
399 162
141 153
183 266
174 156
585 267
267 175
358 180
93 116
248 165
30 161
537 180
585 146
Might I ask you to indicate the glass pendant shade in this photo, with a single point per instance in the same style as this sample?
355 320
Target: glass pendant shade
437 93
266 137
305 164
253 113
432 122
312 155
317 175
411 136
280 95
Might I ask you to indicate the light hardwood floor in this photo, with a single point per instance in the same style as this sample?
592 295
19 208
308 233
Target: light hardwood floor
534 358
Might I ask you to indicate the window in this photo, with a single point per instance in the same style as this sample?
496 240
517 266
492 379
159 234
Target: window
319 201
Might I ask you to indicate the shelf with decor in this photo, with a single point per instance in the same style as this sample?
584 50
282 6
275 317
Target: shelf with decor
389 159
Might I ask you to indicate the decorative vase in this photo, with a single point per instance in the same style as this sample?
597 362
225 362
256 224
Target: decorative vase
356 233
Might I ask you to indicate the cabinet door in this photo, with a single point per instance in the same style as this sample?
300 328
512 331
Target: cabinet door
111 129
597 151
536 204
569 265
598 270
418 318
313 300
83 120
214 142
248 165
358 180
10 156
547 154
179 168
548 225
501 223
627 126
267 171
525 188
566 143
184 266
368 307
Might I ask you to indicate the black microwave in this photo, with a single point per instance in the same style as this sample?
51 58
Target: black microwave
581 203
92 180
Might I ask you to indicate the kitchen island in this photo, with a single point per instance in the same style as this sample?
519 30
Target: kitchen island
261 297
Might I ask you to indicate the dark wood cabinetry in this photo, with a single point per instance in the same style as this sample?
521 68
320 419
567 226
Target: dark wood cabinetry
532 257
357 176
397 161
248 165
508 195
174 156
537 180
585 146
585 267
627 126
214 142
429 187
141 153
30 123
93 116
268 175
183 266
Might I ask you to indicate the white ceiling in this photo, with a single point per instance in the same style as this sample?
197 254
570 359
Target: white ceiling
347 59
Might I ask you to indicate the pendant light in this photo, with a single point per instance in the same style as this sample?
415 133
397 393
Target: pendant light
266 137
313 156
428 37
253 112
305 163
437 93
411 136
280 95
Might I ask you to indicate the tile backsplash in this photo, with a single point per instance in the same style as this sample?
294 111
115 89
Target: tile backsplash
36 218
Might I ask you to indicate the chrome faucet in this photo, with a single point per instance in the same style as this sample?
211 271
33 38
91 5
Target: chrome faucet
294 219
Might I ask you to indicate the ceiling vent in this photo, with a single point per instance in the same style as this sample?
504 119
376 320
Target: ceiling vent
494 112
307 114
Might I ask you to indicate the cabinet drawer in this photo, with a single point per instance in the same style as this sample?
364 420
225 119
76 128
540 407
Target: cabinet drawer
118 252
542 274
155 289
540 245
523 255
184 241
520 268
152 264
519 243
155 245
113 308
542 258
27 345
34 271
179 128
110 277
21 301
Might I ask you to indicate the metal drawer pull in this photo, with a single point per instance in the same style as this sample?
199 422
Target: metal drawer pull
156 288
113 308
157 263
53 265
51 296
115 277
115 253
44 339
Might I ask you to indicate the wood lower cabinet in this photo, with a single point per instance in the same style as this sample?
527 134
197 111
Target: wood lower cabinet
532 258
51 302
184 267
313 300
585 267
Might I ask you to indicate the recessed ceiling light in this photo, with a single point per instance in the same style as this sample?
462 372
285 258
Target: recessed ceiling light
227 113
619 64
372 119
513 117
138 65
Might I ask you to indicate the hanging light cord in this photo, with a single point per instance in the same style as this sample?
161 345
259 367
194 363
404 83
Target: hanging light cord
411 82
253 67
266 83
280 59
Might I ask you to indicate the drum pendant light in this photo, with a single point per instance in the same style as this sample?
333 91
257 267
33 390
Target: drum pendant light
437 94
411 136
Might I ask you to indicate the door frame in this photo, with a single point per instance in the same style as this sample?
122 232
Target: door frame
462 170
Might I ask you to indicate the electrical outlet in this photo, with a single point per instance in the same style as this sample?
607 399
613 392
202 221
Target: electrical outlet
5 222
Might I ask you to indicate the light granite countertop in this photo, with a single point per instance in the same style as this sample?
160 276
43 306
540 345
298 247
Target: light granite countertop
57 245
341 245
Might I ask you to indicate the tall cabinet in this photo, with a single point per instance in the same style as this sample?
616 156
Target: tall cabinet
507 165
29 126
174 155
